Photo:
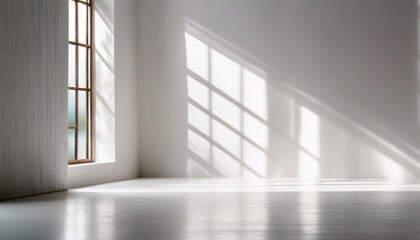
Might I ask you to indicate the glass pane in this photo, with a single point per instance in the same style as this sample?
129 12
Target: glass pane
88 26
70 144
71 116
72 21
82 12
89 68
82 126
72 65
82 67
89 123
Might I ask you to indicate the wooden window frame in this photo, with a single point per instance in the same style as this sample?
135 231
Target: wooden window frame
89 82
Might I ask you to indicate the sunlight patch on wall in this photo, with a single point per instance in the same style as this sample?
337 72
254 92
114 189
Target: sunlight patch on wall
227 112
388 167
198 92
225 163
104 112
194 169
277 122
104 40
309 131
255 130
197 56
256 158
255 94
225 75
199 146
309 141
198 119
104 91
226 138
308 167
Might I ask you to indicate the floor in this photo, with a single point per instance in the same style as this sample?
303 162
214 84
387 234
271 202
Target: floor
172 209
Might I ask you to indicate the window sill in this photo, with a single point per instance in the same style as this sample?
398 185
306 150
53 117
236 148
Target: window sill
82 161
93 163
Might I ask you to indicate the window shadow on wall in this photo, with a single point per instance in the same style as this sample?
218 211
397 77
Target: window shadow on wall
246 120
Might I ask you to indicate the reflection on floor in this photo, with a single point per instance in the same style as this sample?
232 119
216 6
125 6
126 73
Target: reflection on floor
219 209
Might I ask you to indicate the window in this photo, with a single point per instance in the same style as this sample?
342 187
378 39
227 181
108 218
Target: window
80 123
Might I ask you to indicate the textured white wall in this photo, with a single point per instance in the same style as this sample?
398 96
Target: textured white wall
116 96
317 89
33 97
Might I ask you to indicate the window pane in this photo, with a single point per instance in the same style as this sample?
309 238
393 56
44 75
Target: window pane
70 144
82 11
89 122
72 65
82 67
79 69
88 26
82 125
89 68
72 21
71 116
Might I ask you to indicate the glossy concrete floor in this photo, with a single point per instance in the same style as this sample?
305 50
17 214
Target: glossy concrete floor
171 209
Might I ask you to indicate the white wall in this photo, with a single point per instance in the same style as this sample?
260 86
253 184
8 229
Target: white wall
104 100
116 97
290 88
162 89
33 97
